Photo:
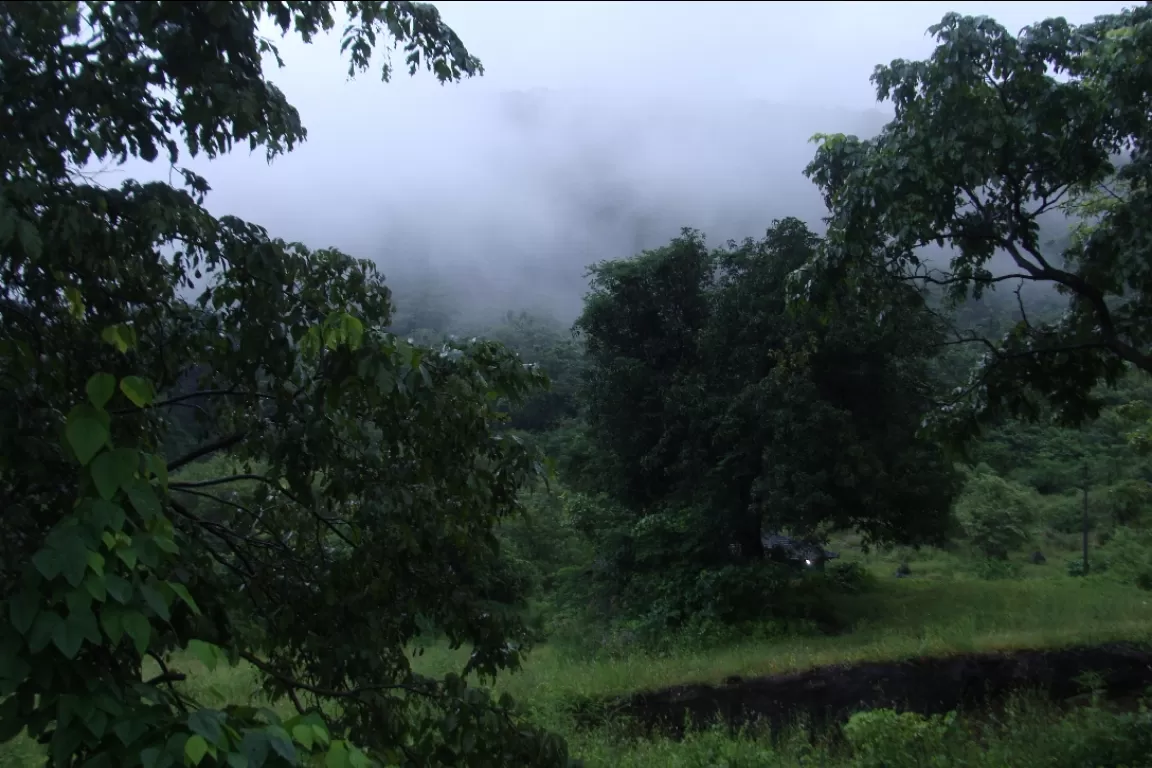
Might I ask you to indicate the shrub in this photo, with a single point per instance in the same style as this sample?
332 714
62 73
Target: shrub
992 569
886 739
1129 557
1075 566
852 578
995 514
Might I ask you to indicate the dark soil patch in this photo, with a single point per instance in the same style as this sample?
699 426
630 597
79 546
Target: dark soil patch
827 695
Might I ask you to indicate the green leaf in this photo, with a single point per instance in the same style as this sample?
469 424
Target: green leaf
159 469
319 731
76 310
155 601
166 544
103 471
64 743
119 588
112 622
206 723
303 735
195 749
182 592
69 634
138 390
42 629
281 744
106 514
87 432
95 562
96 587
10 721
47 562
150 757
353 331
121 336
22 609
73 555
137 628
144 499
127 555
337 756
208 654
29 238
129 730
101 387
255 746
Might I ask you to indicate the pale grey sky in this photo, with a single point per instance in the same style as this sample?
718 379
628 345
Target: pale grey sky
640 117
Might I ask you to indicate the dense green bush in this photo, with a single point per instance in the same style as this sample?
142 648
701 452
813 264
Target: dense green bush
992 569
1129 557
1064 513
995 513
887 739
851 578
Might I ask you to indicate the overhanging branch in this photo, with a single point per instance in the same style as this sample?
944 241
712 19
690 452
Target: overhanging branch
222 444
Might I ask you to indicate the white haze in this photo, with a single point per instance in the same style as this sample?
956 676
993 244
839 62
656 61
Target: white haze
598 129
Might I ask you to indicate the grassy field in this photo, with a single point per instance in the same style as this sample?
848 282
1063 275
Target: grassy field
901 619
939 610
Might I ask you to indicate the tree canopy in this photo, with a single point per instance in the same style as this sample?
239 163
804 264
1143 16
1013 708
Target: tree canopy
335 491
719 416
995 137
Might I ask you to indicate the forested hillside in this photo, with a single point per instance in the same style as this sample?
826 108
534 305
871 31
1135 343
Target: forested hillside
874 488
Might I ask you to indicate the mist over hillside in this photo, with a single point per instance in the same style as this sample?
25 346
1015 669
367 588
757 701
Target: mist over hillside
549 182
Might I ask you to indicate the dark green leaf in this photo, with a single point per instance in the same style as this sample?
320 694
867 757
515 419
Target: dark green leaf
119 588
195 749
104 475
155 601
96 587
281 744
22 609
47 562
69 634
182 592
138 390
101 387
144 499
136 626
112 622
86 431
207 723
255 747
42 630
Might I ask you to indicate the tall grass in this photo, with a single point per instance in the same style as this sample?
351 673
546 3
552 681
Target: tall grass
939 611
901 619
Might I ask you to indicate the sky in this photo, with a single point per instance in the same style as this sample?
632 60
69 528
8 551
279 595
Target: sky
599 128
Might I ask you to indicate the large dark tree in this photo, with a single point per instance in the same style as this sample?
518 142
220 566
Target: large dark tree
707 393
994 136
344 485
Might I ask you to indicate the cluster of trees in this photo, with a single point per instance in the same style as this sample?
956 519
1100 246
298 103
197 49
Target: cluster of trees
267 473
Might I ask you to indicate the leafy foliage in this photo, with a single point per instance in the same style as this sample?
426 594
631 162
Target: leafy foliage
995 513
368 480
993 134
549 345
718 415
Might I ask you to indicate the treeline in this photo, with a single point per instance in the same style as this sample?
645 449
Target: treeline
693 411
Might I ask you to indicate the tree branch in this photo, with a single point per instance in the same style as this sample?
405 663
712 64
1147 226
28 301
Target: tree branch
350 693
206 450
181 485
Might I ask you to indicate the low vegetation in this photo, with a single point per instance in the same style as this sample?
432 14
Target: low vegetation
257 516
